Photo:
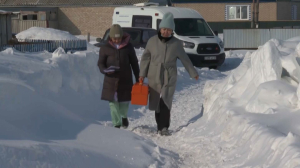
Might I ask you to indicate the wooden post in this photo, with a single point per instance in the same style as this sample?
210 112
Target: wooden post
256 16
253 14
88 37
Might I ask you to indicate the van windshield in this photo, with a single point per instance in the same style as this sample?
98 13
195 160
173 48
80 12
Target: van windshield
192 27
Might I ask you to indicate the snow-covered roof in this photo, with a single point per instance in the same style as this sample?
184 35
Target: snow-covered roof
4 12
41 33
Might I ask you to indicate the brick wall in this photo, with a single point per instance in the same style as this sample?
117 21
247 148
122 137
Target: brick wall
215 12
81 20
267 12
210 11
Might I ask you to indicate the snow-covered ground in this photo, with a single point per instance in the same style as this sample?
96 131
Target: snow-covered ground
245 114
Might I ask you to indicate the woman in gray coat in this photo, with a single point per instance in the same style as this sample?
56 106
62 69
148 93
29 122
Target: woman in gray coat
158 64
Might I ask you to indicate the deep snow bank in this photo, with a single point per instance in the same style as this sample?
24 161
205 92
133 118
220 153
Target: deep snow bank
50 112
255 107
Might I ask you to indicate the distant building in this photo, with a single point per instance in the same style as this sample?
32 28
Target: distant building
95 16
5 27
222 14
26 17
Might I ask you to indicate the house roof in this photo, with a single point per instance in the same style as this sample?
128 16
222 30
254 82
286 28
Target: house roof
4 12
68 2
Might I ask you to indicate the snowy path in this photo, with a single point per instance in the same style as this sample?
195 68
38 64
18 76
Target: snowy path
196 150
187 108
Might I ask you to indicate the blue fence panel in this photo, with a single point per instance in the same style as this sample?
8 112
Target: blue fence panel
33 45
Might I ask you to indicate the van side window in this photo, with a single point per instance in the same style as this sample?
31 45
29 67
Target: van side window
157 23
142 21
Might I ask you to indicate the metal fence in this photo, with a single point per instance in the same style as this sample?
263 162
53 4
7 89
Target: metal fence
48 45
253 38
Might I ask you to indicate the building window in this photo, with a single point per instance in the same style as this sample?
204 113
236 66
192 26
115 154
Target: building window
30 17
237 12
294 12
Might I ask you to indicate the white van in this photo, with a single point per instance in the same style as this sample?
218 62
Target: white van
202 45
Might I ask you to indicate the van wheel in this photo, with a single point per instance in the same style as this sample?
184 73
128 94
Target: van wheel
213 67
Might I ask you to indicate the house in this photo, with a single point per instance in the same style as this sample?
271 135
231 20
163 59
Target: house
75 16
5 27
231 14
26 17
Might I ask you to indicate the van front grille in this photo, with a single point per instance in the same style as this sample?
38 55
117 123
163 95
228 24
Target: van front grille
208 49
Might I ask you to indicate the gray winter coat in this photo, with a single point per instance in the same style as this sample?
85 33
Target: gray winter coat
158 64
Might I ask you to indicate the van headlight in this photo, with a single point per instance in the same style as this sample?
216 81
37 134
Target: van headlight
188 44
221 44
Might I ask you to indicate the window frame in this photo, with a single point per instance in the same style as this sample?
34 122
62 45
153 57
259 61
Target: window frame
27 18
294 12
228 11
143 17
157 23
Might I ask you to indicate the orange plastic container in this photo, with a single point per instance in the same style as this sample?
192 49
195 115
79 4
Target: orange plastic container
139 94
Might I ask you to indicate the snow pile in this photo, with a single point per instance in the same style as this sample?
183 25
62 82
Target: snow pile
251 116
40 33
45 34
297 39
50 112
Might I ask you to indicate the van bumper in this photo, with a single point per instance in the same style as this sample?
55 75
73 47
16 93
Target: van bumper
200 61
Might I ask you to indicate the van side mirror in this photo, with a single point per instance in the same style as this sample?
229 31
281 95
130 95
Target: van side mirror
99 40
216 33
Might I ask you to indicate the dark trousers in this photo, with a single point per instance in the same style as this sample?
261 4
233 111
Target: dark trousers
163 116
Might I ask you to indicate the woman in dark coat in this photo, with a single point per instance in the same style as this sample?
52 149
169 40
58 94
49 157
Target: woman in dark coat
117 85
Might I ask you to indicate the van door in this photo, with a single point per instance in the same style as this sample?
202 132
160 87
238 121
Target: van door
141 21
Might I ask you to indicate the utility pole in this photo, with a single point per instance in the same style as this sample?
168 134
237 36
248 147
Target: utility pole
253 14
257 11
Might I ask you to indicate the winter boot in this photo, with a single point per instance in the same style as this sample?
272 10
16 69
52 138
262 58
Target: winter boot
117 126
165 132
125 123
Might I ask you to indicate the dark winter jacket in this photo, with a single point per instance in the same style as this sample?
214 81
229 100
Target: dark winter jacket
120 81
